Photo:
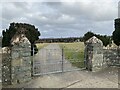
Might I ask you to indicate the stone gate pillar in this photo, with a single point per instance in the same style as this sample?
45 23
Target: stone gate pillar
21 59
17 66
94 54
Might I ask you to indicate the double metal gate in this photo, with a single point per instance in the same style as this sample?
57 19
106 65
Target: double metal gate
57 60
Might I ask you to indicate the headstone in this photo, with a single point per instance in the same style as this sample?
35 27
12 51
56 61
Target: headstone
94 54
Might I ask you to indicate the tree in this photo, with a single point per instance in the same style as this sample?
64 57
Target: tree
104 38
116 33
30 32
116 37
88 35
8 34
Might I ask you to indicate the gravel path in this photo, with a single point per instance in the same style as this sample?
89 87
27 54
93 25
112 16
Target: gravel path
107 78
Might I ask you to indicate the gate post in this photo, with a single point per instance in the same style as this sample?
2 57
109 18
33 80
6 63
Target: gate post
94 54
16 66
32 63
62 59
21 59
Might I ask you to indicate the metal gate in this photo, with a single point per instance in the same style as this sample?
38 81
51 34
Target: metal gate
49 61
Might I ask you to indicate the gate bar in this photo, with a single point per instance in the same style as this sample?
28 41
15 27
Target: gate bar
33 61
62 59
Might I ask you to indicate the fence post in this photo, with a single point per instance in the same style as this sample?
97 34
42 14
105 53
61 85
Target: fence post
62 59
32 61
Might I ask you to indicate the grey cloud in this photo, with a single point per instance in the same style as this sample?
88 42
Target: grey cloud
61 19
10 10
95 11
21 5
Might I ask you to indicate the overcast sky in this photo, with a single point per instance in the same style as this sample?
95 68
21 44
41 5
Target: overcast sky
62 18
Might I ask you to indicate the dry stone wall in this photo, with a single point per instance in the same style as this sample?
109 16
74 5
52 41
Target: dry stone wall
112 57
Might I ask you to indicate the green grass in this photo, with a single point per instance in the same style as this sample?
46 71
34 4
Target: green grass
74 52
41 45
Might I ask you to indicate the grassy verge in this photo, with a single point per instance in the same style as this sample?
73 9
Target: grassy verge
41 45
74 52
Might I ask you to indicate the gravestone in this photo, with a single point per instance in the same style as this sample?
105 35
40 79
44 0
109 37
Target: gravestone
94 54
18 61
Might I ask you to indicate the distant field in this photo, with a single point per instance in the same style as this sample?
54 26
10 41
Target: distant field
41 45
74 52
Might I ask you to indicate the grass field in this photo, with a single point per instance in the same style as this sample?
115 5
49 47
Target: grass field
74 52
41 45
